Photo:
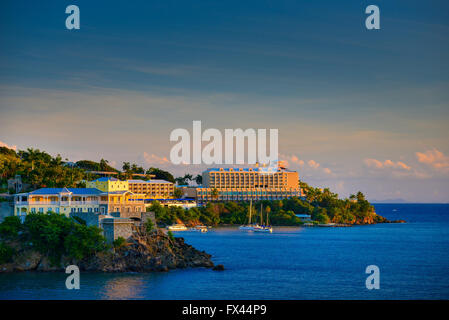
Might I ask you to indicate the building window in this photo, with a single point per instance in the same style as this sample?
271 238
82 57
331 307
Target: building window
80 209
41 210
96 209
57 210
89 210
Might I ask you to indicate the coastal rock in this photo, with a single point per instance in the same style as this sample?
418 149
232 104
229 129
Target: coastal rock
151 252
142 253
218 267
398 221
27 260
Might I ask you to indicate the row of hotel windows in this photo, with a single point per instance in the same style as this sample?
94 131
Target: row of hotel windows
248 193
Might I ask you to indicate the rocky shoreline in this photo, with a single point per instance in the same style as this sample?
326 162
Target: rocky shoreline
153 252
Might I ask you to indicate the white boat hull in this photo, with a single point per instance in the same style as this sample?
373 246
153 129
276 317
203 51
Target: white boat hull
264 229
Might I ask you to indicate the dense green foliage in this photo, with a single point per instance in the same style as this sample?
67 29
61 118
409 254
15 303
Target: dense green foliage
38 169
149 226
326 206
119 242
187 178
54 235
161 174
322 206
10 227
6 253
177 193
95 166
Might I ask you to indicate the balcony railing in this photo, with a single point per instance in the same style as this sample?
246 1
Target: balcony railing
61 203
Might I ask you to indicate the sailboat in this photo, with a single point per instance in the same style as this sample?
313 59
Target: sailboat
249 226
262 227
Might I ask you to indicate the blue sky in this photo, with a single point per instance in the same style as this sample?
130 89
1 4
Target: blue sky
356 109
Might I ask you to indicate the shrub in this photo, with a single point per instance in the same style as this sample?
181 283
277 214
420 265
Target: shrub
149 225
119 242
56 235
10 227
6 253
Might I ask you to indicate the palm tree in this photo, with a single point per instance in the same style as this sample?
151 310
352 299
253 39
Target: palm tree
104 165
199 179
214 194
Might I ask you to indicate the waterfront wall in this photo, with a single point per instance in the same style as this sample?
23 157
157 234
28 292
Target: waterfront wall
114 228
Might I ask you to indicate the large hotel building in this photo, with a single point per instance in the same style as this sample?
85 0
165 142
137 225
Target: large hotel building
244 184
102 196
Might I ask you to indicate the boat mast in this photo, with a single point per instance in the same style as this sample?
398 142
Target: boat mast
250 207
268 224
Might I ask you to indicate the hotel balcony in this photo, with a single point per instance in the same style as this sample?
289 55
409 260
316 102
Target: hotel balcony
58 203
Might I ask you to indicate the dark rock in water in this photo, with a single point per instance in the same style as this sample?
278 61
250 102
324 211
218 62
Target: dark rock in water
398 221
218 267
142 253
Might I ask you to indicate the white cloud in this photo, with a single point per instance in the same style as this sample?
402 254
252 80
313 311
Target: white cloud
374 163
434 158
2 144
313 164
291 160
151 159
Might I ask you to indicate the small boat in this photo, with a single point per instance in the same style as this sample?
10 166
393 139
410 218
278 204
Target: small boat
262 227
308 224
249 226
177 227
199 228
327 225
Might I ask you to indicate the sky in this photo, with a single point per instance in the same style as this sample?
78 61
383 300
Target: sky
356 109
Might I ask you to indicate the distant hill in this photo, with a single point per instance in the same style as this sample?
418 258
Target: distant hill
397 200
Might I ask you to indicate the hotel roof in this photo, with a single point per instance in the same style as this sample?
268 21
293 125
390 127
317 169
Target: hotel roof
76 191
148 181
102 179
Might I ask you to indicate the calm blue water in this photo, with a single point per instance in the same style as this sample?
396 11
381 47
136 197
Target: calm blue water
291 263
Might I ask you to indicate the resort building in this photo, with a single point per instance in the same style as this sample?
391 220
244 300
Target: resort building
108 184
78 200
244 184
152 189
58 200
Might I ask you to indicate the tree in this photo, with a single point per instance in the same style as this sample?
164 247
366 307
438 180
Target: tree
119 243
136 169
199 179
104 165
6 253
214 194
178 193
149 226
360 196
267 209
161 174
184 180
10 227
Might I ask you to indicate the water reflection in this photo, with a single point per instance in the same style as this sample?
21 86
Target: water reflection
124 287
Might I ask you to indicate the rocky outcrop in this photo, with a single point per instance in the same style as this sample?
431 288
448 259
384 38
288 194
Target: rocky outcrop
371 218
142 253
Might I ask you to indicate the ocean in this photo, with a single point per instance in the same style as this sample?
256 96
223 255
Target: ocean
290 263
